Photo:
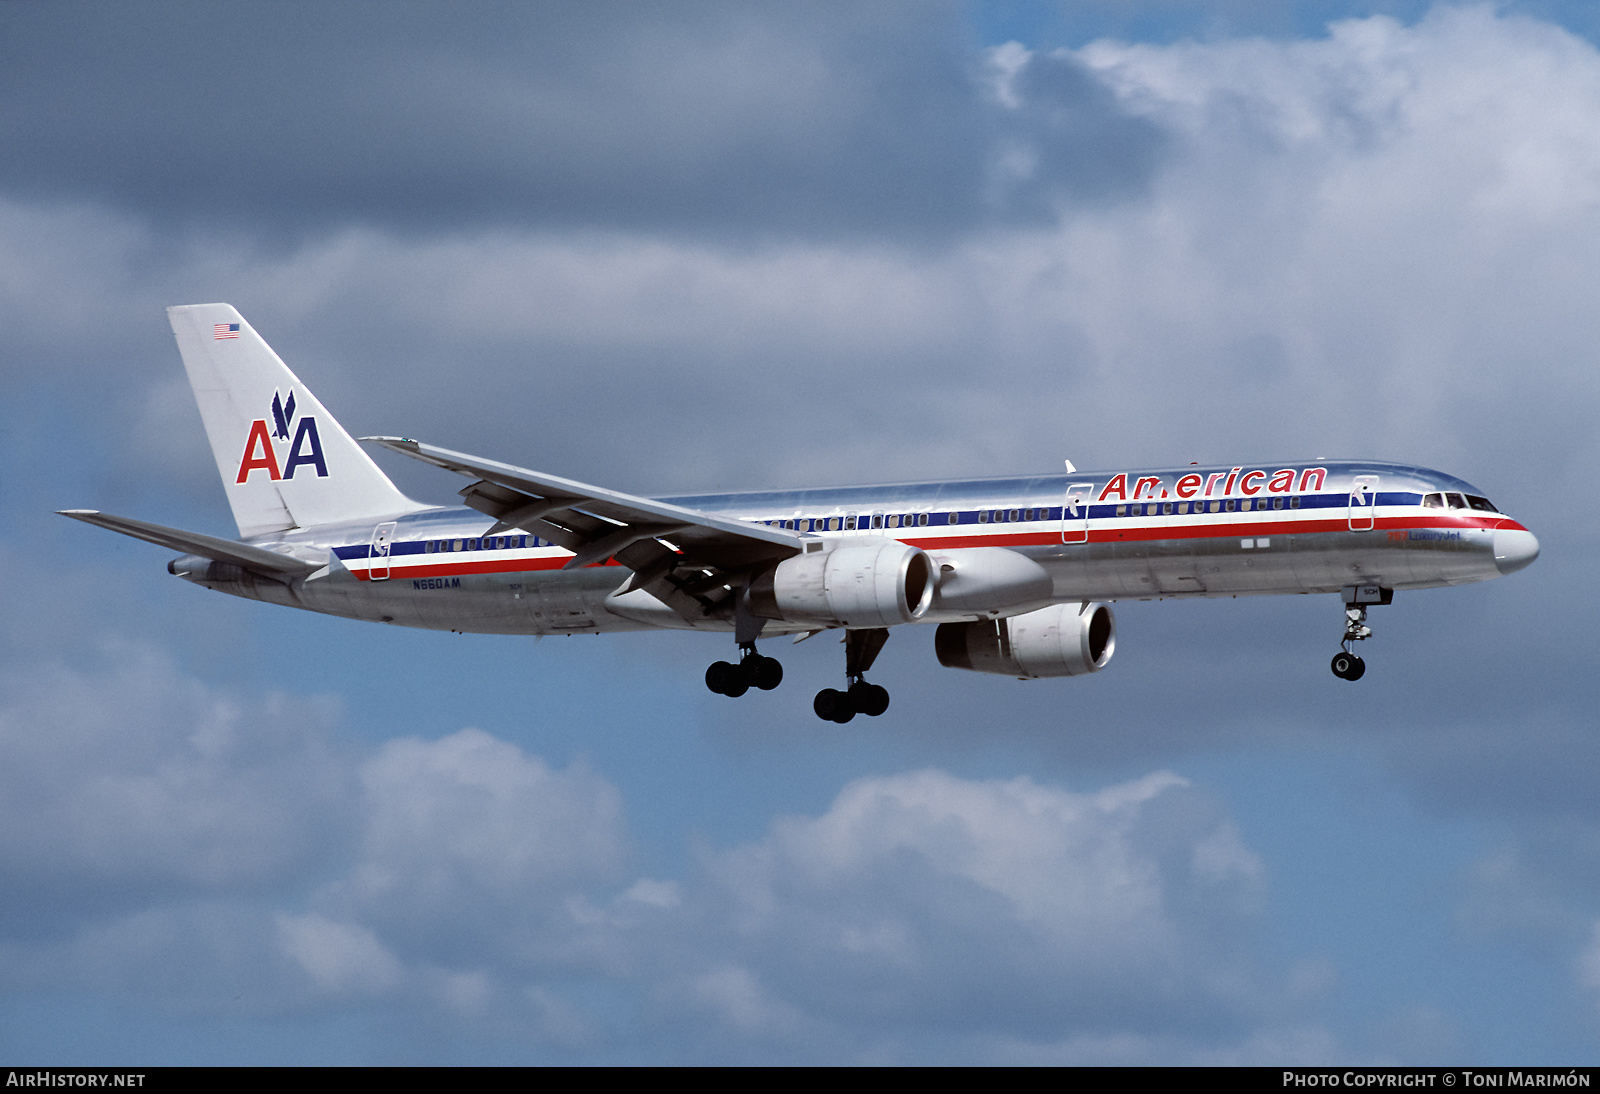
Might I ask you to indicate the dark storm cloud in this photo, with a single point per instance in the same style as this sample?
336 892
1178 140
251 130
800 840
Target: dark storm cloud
811 119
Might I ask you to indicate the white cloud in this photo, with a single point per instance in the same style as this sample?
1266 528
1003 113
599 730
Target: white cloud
472 848
925 901
343 958
137 775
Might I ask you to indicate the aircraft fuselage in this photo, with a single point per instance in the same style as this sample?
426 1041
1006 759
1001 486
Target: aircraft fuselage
436 568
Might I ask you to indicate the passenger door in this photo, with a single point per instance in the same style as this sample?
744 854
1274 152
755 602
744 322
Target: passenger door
1363 502
1075 513
378 554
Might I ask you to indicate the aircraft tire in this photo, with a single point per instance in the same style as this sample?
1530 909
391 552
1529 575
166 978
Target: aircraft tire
765 673
1347 666
832 705
870 699
726 679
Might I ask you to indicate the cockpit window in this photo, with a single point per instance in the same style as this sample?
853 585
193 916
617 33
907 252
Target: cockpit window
1457 501
1481 504
1433 501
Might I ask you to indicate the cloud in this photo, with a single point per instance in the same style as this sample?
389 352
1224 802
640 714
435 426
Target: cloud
210 851
340 957
469 845
132 779
925 902
812 119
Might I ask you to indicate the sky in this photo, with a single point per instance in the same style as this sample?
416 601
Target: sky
701 246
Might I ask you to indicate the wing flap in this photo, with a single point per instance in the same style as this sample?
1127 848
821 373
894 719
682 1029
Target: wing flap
579 517
565 495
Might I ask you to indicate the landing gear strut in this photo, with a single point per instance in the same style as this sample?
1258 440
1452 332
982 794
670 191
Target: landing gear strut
1347 665
859 697
753 671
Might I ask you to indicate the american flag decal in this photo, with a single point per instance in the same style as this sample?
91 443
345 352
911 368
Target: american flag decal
225 330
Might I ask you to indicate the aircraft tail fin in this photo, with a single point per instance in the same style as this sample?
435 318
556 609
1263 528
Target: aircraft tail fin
285 461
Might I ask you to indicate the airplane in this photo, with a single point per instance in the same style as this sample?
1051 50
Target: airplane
1016 574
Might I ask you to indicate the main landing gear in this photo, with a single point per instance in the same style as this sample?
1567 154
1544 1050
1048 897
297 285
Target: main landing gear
860 650
859 697
753 671
1347 665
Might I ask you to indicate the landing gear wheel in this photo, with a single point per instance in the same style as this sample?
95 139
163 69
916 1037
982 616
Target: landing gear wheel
727 679
765 673
1347 666
870 699
718 676
833 706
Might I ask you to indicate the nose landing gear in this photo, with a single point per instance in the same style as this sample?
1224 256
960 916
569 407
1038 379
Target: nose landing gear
1347 665
753 671
860 650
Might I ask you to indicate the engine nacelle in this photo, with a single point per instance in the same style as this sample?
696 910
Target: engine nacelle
1061 640
876 584
988 580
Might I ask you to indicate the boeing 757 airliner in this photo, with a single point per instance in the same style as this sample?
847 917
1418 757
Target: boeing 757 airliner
1014 572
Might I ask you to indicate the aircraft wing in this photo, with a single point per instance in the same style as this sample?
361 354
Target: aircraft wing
687 558
193 543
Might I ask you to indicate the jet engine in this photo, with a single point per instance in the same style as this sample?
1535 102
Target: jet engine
1061 640
877 585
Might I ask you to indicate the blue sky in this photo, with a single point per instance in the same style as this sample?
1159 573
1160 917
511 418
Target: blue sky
713 247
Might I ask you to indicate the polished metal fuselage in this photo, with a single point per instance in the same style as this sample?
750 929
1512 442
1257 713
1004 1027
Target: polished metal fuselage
1148 534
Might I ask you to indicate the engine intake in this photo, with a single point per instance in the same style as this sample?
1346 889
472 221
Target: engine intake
1061 640
880 584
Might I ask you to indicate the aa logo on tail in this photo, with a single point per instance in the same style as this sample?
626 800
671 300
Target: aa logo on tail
306 448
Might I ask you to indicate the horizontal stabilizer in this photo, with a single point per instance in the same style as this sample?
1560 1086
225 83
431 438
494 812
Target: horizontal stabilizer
193 543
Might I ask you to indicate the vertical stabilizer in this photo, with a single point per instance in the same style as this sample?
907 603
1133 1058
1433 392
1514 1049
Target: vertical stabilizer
285 462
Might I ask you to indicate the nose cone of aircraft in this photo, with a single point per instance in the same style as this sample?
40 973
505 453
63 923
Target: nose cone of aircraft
1514 549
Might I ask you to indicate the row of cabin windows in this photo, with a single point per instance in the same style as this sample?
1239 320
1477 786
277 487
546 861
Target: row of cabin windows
485 543
852 523
1226 505
1457 501
1001 516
